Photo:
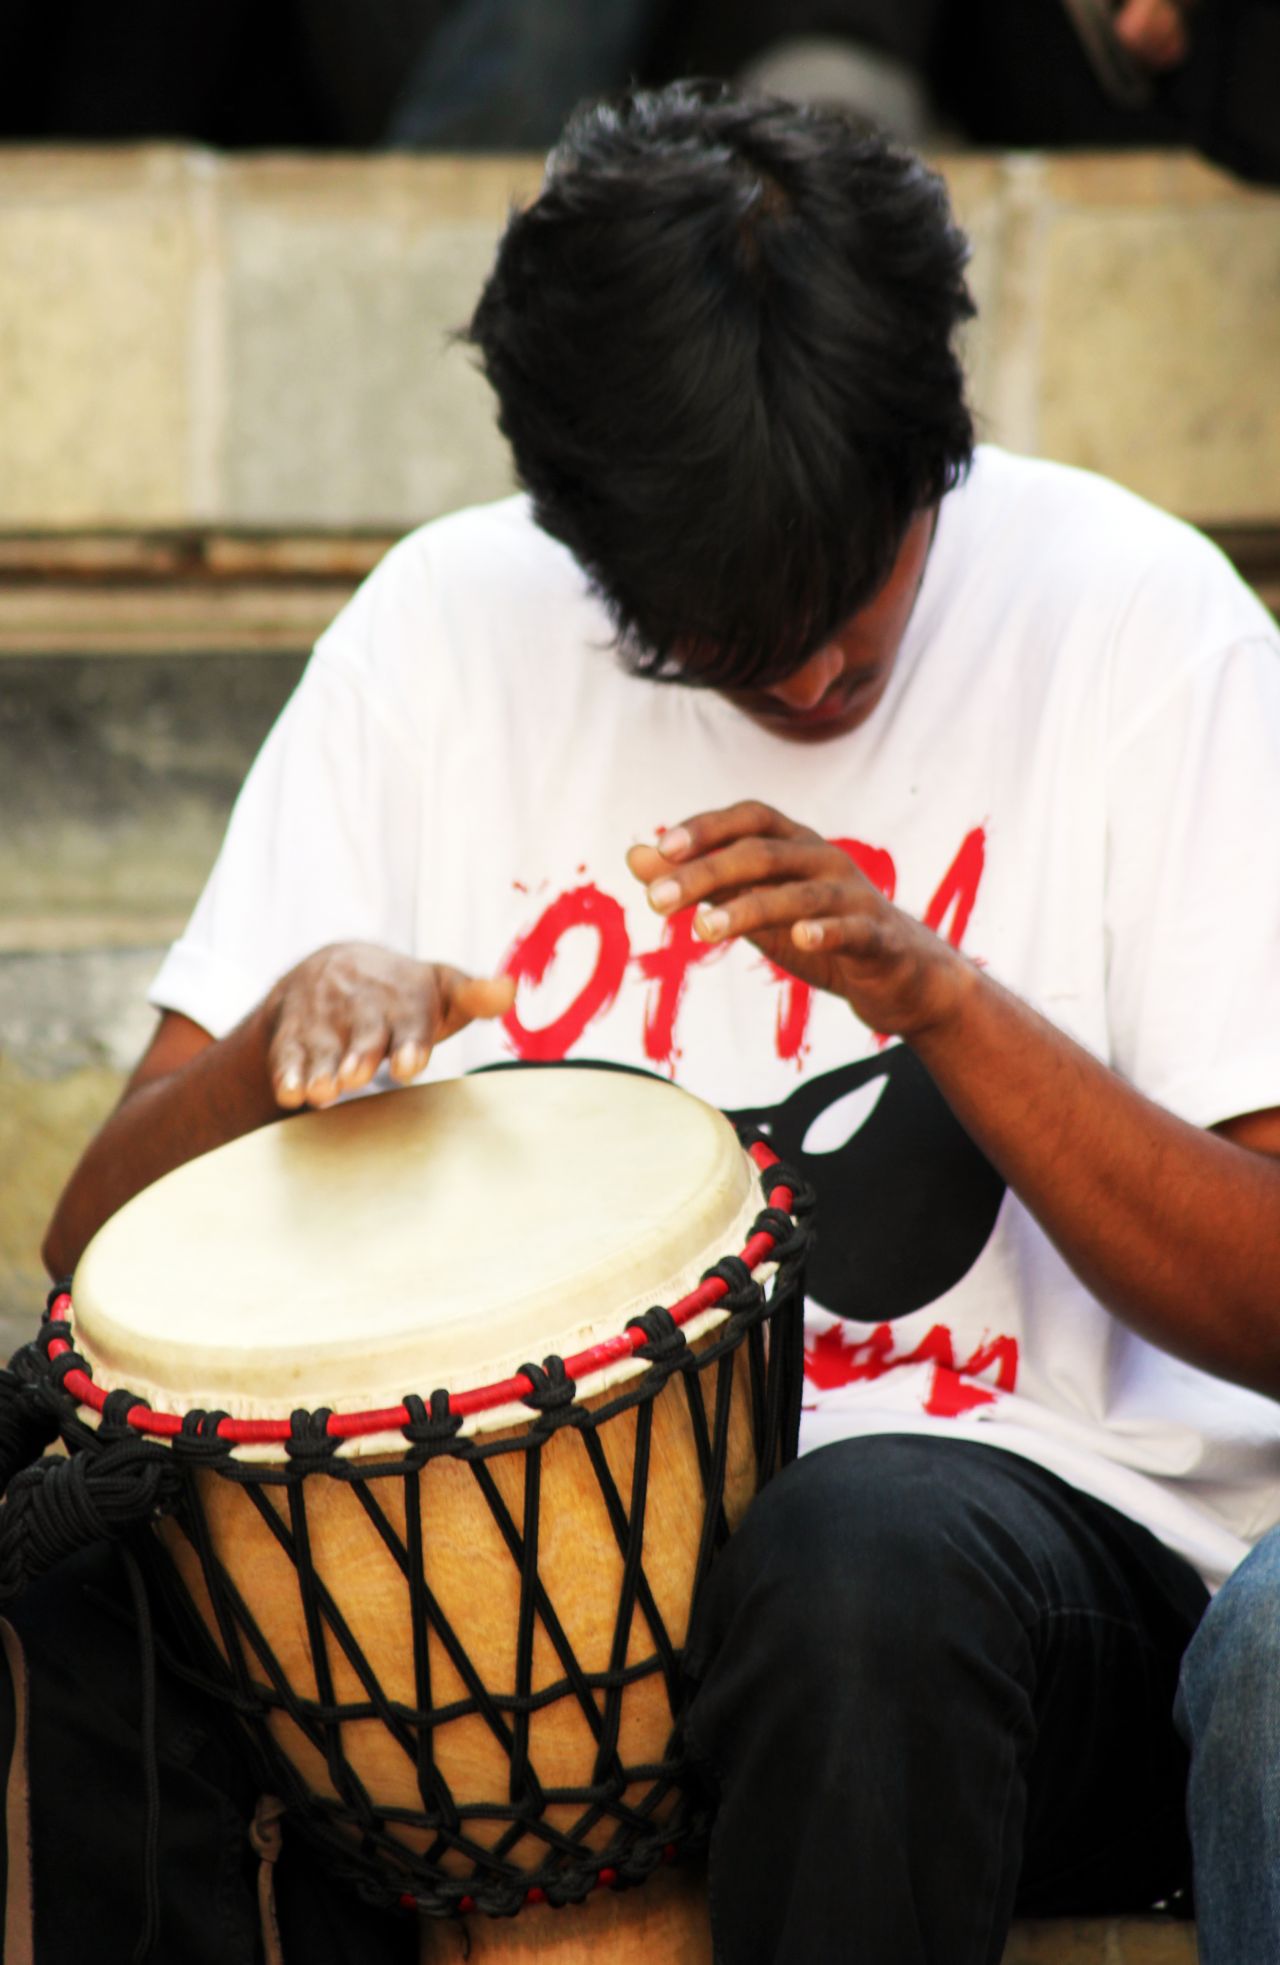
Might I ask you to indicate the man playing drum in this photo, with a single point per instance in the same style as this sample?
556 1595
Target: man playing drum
771 702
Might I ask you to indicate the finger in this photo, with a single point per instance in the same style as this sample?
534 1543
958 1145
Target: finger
408 1060
287 1069
702 835
448 1001
484 996
415 1026
704 832
359 1067
325 1050
647 863
748 863
366 1048
761 908
465 998
861 936
303 1064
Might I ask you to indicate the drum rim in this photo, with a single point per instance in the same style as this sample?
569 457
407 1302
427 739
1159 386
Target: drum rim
79 1384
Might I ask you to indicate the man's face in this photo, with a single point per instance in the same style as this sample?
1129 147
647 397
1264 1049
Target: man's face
840 684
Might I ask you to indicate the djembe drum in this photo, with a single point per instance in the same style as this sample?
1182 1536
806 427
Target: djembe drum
453 1622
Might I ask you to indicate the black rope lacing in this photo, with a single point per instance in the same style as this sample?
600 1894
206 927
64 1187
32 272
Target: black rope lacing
619 1820
150 1933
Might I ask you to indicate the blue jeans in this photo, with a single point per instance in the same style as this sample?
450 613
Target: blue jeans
1229 1713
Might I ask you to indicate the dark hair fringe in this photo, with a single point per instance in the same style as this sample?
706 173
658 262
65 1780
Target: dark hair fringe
722 343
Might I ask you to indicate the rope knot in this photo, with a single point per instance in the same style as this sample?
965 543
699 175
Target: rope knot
645 1855
803 1197
498 1897
53 1326
573 1884
308 1440
430 1425
790 1238
198 1442
61 1505
552 1390
57 1368
742 1291
663 1338
116 1407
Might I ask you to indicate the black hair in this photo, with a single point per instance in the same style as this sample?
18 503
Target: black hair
722 343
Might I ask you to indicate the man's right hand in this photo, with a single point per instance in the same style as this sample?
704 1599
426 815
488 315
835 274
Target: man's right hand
345 1011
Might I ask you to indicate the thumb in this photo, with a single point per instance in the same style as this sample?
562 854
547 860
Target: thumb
469 997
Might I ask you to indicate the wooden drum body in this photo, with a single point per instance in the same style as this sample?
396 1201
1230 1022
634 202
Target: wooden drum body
456 1620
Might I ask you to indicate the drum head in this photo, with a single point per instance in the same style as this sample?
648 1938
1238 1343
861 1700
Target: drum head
439 1236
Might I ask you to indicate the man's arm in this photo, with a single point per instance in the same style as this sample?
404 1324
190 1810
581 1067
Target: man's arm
1175 1229
324 1029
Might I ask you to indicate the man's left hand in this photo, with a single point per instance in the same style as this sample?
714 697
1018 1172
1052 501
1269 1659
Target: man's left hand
752 872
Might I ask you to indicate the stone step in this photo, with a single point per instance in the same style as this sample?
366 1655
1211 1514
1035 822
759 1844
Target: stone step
213 591
1102 1941
667 1920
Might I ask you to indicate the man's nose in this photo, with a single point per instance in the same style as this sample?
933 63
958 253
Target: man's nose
805 688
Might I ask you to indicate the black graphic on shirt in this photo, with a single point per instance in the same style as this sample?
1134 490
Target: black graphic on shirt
905 1201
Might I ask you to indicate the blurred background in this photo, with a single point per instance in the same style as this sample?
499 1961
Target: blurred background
502 74
234 239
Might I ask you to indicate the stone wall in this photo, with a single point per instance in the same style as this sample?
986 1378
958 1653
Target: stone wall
190 340
116 777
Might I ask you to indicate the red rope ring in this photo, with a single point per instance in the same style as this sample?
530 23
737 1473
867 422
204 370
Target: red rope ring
482 1398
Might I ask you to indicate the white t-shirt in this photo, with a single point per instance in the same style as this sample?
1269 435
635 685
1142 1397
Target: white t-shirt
1074 773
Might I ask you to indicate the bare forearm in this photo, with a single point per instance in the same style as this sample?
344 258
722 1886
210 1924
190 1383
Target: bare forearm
223 1091
1175 1230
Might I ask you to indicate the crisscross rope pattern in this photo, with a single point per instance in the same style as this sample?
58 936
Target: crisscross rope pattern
441 1846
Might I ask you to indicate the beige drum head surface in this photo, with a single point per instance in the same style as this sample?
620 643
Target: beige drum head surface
437 1236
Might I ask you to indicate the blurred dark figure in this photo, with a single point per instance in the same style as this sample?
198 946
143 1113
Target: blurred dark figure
1149 72
1040 74
234 73
362 74
502 74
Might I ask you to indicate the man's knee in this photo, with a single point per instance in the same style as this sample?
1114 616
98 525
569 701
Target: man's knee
856 1634
871 1551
